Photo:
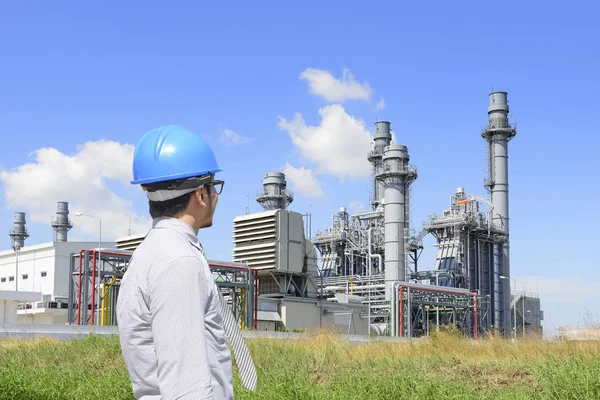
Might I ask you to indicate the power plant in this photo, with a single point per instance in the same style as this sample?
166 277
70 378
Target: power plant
360 275
469 285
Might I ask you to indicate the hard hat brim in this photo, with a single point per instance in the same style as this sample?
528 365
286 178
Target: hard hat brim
173 177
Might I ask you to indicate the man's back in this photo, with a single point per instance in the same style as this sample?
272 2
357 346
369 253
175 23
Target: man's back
169 319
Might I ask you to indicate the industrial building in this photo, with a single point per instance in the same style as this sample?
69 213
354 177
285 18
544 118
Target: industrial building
41 268
361 275
378 250
274 243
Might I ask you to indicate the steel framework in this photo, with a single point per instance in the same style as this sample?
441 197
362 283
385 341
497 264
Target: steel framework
417 305
96 276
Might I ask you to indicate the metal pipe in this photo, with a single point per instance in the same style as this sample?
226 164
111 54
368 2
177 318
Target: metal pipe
79 289
93 287
409 315
370 265
368 215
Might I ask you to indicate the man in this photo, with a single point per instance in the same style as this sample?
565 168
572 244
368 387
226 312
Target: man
168 311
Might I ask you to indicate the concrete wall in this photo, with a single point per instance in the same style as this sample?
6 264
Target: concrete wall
42 318
300 315
270 326
307 316
8 311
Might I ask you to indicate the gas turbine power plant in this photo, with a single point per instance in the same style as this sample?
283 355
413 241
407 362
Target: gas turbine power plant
361 275
370 259
377 251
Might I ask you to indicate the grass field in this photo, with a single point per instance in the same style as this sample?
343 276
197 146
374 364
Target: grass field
321 366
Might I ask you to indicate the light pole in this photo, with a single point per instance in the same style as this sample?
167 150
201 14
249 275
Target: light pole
99 258
523 312
16 248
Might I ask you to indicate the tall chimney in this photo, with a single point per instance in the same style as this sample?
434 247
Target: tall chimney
19 232
381 139
274 196
61 222
396 176
498 133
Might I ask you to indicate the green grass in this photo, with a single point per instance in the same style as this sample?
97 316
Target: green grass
321 366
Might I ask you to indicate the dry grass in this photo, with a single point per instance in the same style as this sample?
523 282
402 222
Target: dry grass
321 366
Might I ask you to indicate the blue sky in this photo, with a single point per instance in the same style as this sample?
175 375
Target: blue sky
82 73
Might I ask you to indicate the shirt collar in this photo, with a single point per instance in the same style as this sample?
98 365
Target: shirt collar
180 227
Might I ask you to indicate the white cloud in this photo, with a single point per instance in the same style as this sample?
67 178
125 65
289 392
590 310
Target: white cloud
303 181
339 145
81 179
380 104
356 207
323 83
232 138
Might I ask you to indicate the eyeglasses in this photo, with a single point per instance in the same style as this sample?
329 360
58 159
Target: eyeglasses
218 185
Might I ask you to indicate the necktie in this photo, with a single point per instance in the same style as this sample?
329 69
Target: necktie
243 359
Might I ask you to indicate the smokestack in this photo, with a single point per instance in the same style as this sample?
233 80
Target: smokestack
396 177
61 222
381 139
274 196
19 232
498 133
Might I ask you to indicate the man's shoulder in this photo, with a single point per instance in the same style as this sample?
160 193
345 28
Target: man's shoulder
164 249
166 243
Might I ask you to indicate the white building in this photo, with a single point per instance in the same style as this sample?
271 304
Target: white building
9 303
42 268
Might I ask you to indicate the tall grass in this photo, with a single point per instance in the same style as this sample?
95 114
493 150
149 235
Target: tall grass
321 366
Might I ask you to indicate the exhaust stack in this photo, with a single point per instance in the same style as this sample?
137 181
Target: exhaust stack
274 196
19 232
61 222
498 133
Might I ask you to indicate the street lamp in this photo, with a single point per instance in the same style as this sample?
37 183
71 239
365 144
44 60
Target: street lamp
99 260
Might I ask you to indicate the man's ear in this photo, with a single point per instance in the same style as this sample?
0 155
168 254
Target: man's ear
201 196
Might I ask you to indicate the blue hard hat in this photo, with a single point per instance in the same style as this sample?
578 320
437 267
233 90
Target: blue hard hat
171 152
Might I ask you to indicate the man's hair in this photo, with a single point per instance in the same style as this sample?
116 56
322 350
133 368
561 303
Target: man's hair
169 208
172 207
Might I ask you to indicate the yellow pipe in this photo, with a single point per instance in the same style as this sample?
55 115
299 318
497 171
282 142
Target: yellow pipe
103 304
104 307
243 310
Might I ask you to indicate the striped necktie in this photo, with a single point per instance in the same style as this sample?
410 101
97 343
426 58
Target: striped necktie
243 359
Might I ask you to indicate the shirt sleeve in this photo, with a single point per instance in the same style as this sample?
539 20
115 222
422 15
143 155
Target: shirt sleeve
177 302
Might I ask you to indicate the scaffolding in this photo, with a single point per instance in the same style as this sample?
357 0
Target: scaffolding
95 281
420 306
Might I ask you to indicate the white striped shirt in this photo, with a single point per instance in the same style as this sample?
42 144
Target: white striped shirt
169 319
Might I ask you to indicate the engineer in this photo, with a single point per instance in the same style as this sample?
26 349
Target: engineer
172 325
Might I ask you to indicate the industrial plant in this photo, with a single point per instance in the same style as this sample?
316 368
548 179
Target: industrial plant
361 275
